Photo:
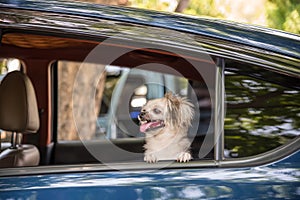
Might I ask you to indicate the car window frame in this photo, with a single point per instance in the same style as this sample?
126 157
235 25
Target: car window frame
219 161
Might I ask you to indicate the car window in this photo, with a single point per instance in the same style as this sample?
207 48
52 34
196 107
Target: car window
123 92
119 94
260 114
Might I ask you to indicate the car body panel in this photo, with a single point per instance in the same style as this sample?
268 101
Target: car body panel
279 180
230 31
243 42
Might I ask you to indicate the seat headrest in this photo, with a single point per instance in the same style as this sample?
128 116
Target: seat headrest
18 104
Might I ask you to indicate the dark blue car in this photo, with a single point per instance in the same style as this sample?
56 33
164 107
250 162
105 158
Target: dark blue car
74 77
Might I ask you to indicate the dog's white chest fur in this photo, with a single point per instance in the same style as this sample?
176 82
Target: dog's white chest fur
167 146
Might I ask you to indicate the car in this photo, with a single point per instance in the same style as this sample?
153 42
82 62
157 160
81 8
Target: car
75 75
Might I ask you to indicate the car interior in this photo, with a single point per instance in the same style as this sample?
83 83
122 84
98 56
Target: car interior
19 115
31 119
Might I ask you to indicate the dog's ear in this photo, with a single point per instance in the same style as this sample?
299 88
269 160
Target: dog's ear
180 110
186 112
172 109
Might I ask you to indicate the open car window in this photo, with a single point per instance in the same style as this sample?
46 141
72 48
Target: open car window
116 100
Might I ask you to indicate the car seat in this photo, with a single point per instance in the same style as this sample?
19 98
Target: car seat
19 115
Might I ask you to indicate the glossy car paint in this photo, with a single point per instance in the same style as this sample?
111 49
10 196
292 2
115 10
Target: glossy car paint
275 181
242 42
278 180
224 30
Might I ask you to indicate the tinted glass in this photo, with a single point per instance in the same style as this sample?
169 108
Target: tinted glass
260 115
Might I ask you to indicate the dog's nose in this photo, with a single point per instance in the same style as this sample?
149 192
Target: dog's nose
142 114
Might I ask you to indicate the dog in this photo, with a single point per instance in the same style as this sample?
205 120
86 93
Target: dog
165 122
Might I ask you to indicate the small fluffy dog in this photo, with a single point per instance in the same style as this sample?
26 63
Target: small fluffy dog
165 122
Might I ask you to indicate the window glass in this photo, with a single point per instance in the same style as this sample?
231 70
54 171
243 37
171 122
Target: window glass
260 115
117 84
118 96
7 65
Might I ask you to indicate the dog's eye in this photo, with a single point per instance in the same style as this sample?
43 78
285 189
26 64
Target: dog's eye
156 111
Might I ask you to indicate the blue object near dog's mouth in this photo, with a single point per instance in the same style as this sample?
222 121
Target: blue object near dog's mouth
134 114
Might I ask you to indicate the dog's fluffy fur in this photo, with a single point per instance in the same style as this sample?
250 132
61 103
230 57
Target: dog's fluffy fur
165 122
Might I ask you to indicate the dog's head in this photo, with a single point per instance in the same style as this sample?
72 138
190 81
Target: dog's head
171 111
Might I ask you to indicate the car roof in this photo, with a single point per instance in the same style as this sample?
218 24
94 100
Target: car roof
281 42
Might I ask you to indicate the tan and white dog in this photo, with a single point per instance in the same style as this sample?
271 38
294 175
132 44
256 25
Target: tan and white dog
165 121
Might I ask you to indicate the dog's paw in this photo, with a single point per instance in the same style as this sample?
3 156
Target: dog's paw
150 158
184 157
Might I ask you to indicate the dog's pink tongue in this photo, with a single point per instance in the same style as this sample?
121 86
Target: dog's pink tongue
145 127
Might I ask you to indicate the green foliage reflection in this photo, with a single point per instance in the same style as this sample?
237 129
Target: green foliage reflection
260 115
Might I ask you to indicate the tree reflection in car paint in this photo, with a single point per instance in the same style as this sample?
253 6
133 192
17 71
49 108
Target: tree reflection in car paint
267 182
